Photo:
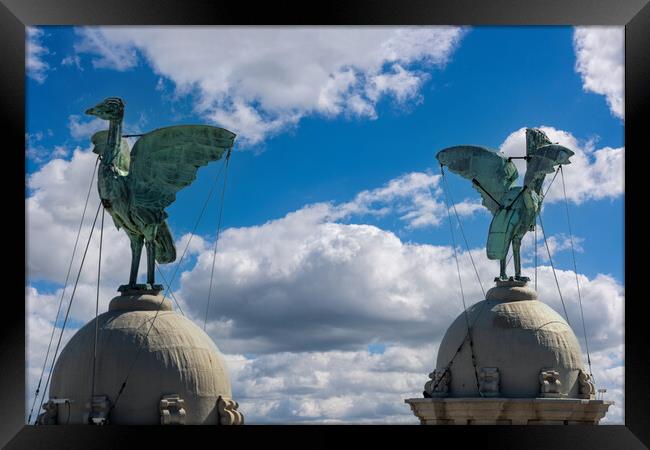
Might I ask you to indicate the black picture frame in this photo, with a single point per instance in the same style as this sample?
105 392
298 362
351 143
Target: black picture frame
16 14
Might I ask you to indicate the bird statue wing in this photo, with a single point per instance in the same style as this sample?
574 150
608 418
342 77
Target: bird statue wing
121 161
165 160
494 172
542 161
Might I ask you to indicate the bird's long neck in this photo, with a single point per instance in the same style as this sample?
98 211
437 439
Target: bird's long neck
114 139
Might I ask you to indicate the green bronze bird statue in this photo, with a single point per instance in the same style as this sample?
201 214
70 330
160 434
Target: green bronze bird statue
514 208
135 186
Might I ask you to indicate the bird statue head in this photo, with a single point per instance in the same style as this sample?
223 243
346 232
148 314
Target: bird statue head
537 141
535 138
111 108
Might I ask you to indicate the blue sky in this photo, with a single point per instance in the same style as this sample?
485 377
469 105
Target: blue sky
481 87
479 98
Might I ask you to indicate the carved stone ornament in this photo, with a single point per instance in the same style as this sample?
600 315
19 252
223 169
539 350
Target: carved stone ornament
98 410
550 385
48 416
227 413
438 385
488 379
587 387
172 411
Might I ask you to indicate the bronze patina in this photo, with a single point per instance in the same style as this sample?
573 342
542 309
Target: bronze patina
514 208
135 186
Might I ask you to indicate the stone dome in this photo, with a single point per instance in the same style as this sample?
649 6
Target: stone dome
517 334
176 358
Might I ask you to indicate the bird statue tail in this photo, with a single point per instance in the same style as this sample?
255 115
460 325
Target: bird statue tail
164 242
501 232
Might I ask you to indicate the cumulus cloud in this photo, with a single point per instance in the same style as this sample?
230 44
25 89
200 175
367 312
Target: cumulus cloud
110 54
360 387
54 210
593 174
290 274
35 63
72 60
345 286
417 197
34 149
332 386
41 313
609 373
557 244
297 300
600 62
81 128
260 81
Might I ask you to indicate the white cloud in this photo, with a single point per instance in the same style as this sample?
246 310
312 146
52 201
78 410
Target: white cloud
308 293
83 128
332 386
600 62
556 243
41 312
417 197
37 67
72 60
593 174
54 210
110 54
260 81
302 291
39 153
359 387
609 374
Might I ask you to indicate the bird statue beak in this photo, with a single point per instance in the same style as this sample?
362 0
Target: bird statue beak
568 154
90 111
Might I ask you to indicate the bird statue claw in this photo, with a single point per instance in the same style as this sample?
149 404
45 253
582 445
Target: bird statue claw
140 288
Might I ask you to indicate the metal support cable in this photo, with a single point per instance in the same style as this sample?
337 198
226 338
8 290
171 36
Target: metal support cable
169 287
74 290
196 224
453 240
548 188
476 182
550 260
509 207
178 305
575 271
535 229
462 231
449 364
99 273
535 246
484 303
65 284
216 241
460 282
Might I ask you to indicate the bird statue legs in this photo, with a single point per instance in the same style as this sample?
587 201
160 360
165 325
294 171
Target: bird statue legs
137 241
516 253
151 261
136 251
502 272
